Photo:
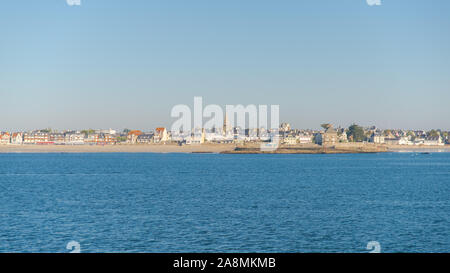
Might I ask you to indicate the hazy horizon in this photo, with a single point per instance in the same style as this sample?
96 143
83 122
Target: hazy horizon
125 64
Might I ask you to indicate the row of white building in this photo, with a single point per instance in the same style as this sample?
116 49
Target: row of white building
285 134
406 140
75 138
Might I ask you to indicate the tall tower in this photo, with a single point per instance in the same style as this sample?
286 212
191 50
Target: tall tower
226 125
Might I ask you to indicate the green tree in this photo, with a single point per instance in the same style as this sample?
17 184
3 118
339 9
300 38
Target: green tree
121 139
412 135
356 133
433 133
88 132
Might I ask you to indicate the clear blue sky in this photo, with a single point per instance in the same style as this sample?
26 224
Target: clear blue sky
117 63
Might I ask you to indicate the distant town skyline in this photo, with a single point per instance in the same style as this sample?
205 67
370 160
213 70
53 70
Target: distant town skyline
122 64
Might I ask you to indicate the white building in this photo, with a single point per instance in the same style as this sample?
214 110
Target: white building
161 135
5 138
285 127
145 139
433 141
74 139
398 141
17 138
377 139
290 140
304 139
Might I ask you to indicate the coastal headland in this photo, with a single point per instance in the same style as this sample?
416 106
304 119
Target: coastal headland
253 148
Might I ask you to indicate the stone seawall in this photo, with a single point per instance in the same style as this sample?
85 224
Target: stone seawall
311 149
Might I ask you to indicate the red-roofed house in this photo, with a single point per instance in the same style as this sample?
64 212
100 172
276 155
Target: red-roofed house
161 135
17 138
5 138
133 136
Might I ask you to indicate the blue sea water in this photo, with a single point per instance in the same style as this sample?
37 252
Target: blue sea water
224 203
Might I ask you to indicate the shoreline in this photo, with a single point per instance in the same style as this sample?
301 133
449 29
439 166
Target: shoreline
124 148
345 148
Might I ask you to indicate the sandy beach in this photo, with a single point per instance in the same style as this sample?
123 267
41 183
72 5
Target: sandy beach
218 148
156 148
